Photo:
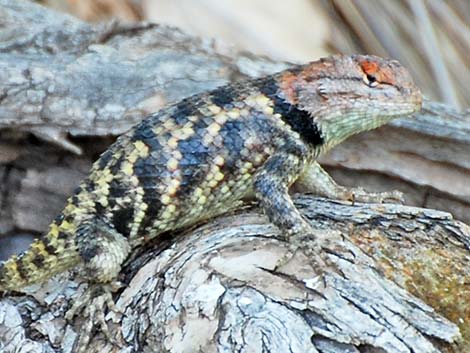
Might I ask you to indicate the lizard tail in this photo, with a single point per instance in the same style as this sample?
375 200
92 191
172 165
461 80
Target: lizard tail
53 253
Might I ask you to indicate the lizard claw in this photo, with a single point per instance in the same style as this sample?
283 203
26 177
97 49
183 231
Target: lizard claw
314 247
359 194
92 306
394 195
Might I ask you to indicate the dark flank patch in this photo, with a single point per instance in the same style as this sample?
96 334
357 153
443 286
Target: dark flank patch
51 249
115 168
182 110
69 218
22 269
149 172
122 220
105 158
154 207
88 252
145 134
38 260
234 143
75 200
143 131
3 273
151 169
99 209
222 96
77 190
86 248
194 163
90 186
299 120
59 218
116 191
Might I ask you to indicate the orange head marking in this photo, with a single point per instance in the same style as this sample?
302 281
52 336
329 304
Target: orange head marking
375 74
288 85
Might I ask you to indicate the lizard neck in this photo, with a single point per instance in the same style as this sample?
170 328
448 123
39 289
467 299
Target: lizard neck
339 123
300 121
343 96
337 126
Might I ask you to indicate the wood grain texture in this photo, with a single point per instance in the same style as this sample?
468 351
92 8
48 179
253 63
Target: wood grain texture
217 284
67 86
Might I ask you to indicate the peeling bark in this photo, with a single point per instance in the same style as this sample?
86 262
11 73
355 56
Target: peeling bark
67 86
62 79
215 289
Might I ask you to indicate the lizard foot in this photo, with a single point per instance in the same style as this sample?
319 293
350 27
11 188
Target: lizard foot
361 195
315 247
91 306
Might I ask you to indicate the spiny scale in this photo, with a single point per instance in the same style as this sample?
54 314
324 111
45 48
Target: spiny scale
200 157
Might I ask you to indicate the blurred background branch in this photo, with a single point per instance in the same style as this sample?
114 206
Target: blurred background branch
431 38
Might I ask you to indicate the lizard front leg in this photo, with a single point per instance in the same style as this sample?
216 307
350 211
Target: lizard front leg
316 180
271 190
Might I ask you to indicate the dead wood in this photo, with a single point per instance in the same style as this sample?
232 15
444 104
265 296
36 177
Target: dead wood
67 87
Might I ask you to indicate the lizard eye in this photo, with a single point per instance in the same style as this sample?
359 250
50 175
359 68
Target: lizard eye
370 80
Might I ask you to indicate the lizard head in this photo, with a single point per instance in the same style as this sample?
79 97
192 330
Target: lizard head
346 95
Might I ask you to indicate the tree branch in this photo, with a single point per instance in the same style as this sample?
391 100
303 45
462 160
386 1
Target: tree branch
215 287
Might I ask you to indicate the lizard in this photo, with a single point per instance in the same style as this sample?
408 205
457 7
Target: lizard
204 155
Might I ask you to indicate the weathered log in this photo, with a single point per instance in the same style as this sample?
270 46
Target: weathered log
61 78
215 287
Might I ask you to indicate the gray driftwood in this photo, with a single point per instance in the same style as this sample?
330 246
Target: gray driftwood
214 288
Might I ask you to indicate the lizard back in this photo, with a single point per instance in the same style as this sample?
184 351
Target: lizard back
201 156
188 162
